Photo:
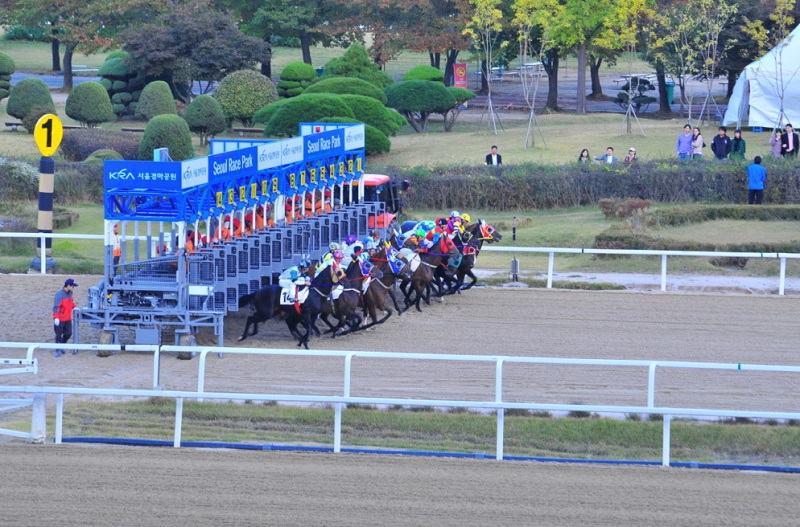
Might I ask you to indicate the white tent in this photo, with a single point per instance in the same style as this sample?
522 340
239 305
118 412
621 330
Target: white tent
756 96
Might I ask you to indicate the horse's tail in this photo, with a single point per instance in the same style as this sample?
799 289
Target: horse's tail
246 299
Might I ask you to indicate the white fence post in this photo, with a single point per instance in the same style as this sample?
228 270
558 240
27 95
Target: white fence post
663 272
59 417
666 440
550 266
178 422
39 419
782 284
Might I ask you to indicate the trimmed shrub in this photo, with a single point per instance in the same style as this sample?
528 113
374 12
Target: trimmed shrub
342 85
7 67
375 141
424 73
28 94
416 100
156 99
104 154
77 145
105 83
117 54
242 93
167 131
114 67
296 77
30 120
371 112
266 113
119 85
205 117
356 62
122 98
306 107
19 180
89 104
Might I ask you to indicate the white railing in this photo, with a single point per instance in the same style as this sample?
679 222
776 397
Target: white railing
339 401
552 251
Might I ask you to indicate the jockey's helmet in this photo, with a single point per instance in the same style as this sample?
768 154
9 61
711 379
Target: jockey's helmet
305 263
455 214
466 218
334 246
350 239
338 255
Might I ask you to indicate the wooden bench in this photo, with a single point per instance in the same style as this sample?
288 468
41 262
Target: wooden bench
13 126
64 126
243 131
126 129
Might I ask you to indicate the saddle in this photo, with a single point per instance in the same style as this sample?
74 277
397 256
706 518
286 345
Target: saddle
411 257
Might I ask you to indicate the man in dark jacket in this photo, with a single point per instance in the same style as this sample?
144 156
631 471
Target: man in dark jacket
494 158
789 142
721 144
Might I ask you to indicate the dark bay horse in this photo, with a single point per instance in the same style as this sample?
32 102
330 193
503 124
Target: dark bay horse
422 277
320 290
345 307
267 304
473 240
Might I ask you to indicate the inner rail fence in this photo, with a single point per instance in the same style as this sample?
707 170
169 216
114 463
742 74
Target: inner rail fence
340 401
551 251
664 254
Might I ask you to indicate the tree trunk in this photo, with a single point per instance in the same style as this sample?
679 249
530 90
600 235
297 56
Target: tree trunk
551 68
435 58
54 51
732 77
580 98
69 49
266 61
452 55
485 71
661 77
594 70
305 44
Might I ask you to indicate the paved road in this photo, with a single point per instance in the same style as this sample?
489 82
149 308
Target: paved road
52 81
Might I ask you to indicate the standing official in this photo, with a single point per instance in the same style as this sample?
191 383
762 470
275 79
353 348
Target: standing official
63 304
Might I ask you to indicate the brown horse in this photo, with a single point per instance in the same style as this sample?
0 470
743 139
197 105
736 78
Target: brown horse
381 287
345 308
422 276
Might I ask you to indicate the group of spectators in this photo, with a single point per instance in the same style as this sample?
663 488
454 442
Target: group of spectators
609 158
690 144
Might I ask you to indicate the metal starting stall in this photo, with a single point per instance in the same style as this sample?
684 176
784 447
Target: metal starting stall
178 268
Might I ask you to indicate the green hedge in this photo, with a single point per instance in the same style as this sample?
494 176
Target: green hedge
530 186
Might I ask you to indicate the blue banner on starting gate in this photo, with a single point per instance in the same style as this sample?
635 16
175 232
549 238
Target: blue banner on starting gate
148 175
232 164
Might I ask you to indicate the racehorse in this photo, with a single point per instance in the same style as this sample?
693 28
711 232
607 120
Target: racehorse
344 308
380 288
267 304
478 234
320 290
422 276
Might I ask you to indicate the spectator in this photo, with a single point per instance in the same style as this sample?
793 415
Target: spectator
756 177
117 251
608 158
494 158
698 143
584 158
631 157
721 144
683 146
738 146
63 304
775 143
789 142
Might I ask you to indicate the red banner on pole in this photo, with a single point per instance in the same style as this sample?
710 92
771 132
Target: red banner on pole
460 74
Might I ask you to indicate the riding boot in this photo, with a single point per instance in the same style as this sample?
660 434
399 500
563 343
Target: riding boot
297 307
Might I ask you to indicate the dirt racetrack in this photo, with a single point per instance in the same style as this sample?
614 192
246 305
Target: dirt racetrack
84 485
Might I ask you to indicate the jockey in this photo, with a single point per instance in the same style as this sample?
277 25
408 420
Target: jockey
295 277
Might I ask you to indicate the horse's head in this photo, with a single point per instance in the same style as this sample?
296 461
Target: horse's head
486 233
447 246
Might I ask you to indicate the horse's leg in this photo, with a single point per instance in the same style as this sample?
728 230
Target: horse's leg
473 278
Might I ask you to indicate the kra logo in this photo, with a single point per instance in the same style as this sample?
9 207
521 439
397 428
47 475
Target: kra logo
263 156
121 174
187 174
286 150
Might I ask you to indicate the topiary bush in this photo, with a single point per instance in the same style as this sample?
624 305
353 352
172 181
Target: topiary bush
356 62
306 107
417 100
167 131
242 93
117 54
205 117
375 141
371 112
156 99
30 120
104 154
295 78
89 104
266 113
28 94
77 145
7 68
351 85
424 73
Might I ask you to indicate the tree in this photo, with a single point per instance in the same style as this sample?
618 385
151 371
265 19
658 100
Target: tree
192 42
355 62
482 27
28 94
242 93
417 100
205 117
89 104
295 78
167 131
714 16
7 68
306 107
156 99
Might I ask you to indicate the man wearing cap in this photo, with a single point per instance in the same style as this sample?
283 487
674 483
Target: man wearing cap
63 304
631 157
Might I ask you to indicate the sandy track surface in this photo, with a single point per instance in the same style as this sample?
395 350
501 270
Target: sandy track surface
100 485
484 321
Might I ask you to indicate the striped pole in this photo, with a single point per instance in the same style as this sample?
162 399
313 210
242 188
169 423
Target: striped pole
45 219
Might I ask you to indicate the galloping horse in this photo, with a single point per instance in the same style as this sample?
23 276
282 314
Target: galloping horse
344 308
267 304
478 234
426 263
380 288
320 289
